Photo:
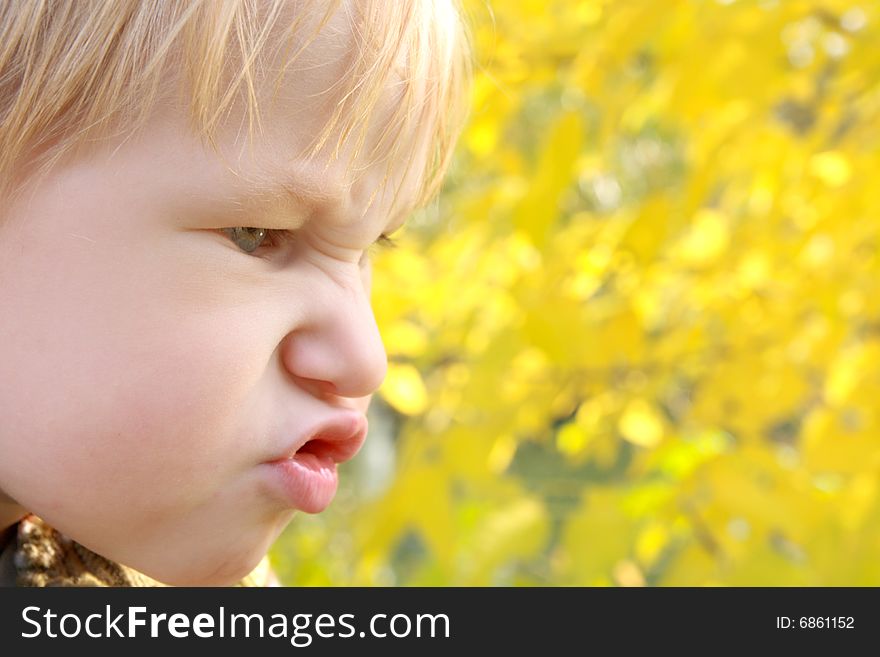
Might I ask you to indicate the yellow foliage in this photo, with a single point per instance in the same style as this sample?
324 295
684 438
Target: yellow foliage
636 339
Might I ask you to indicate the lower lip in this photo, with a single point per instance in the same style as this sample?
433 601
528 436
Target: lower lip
305 481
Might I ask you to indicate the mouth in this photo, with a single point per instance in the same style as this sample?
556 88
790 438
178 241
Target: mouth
305 476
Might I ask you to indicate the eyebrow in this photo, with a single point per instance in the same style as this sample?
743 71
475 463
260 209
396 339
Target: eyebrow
275 199
294 197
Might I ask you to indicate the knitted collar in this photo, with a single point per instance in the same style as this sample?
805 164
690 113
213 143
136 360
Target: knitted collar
45 557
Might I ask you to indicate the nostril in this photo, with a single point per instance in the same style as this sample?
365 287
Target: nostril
320 389
339 355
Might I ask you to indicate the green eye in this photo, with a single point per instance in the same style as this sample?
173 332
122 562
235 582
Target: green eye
247 239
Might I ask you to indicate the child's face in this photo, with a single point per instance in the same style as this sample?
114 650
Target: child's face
156 375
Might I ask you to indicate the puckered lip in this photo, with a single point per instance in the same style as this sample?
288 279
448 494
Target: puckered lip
337 438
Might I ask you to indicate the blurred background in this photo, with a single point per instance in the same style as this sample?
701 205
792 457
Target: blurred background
637 339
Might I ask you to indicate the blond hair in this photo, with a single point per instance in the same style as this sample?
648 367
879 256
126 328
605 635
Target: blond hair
75 72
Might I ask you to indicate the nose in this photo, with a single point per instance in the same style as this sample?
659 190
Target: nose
337 349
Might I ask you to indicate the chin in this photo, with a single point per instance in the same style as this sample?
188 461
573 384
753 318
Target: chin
201 573
209 555
224 565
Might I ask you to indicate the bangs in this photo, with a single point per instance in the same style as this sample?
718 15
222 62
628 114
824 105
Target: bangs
75 73
419 52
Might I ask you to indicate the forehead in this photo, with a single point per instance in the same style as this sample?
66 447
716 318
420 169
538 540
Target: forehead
305 150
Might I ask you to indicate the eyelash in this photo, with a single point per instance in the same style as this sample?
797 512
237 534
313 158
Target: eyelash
276 237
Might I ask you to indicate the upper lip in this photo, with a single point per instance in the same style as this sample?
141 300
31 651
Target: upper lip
338 437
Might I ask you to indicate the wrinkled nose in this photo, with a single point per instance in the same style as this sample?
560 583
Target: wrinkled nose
338 349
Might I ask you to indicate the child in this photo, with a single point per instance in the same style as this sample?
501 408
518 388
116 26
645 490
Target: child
189 193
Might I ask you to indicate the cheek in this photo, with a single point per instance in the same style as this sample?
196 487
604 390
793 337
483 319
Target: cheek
122 392
120 423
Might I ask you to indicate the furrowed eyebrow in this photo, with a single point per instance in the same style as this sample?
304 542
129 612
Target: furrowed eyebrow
280 204
288 204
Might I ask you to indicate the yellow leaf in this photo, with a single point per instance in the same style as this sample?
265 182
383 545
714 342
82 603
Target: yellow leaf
831 167
843 376
641 424
754 270
650 542
628 573
572 439
482 137
404 390
706 239
501 454
517 530
405 339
